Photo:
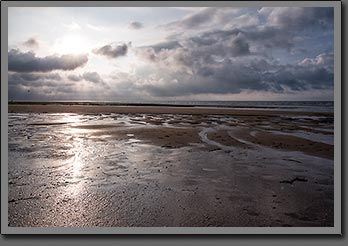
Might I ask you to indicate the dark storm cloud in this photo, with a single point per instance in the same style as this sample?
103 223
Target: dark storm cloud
112 51
231 60
239 46
266 37
136 25
219 78
198 50
28 62
279 29
31 43
300 78
235 75
226 43
270 38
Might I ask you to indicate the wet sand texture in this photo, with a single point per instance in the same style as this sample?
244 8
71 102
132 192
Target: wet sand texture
156 166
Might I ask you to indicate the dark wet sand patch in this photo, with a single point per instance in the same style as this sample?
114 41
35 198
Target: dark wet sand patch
222 137
161 136
286 142
97 126
47 123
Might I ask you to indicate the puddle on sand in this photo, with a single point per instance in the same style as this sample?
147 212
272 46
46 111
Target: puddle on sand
315 137
62 162
76 156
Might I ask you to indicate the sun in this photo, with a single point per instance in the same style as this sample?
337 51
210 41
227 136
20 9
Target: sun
71 44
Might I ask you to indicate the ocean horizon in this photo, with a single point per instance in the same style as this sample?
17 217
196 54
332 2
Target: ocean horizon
306 106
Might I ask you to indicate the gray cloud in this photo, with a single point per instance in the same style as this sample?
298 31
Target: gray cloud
152 52
51 86
298 18
34 76
147 53
92 77
325 59
112 51
259 37
215 51
211 50
239 46
37 76
270 38
233 75
42 90
207 17
74 77
136 25
230 76
197 19
165 45
281 25
31 43
193 52
233 59
34 80
289 18
28 62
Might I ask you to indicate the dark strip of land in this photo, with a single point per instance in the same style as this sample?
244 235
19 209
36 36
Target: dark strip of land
93 109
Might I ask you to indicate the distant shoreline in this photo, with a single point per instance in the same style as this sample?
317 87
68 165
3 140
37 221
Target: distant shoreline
309 106
150 109
154 103
98 104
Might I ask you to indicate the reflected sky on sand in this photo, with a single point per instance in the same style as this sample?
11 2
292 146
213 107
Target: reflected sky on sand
140 170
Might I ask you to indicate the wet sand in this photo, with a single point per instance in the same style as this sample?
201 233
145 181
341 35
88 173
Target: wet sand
168 166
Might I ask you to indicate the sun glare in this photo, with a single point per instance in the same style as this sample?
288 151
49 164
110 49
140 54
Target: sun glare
72 44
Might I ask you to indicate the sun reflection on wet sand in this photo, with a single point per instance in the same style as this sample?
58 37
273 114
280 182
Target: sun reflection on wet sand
75 139
104 170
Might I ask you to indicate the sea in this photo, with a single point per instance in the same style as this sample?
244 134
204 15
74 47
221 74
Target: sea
302 106
306 106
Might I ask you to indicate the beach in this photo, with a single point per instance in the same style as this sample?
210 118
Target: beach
140 166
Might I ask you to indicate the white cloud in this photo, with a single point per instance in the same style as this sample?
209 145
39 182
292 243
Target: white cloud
96 28
72 26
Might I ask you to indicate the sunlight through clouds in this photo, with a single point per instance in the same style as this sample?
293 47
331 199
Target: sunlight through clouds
222 52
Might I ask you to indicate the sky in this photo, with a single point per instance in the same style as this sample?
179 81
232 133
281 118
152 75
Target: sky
176 53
